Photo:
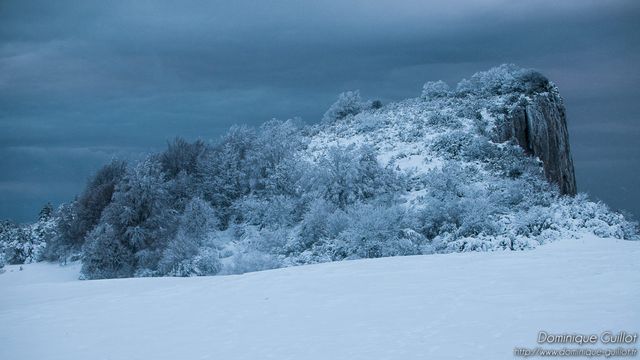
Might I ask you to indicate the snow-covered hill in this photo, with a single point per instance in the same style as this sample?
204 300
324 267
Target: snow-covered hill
450 306
485 166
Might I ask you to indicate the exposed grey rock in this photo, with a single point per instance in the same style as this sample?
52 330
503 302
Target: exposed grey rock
538 123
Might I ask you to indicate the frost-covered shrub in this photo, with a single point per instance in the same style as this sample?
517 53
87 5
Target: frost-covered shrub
580 214
482 243
377 231
348 103
350 174
495 81
458 208
273 240
441 120
203 261
276 210
479 215
453 144
438 217
337 222
503 79
435 89
177 259
207 262
510 160
459 217
192 251
533 82
314 225
376 104
480 149
368 122
533 222
363 230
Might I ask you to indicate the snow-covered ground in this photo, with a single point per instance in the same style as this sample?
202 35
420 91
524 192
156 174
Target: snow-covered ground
455 306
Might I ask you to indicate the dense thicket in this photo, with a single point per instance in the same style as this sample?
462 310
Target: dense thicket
286 194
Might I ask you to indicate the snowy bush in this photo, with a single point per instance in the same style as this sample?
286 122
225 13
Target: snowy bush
455 144
440 120
276 210
377 231
376 104
202 261
580 214
351 174
504 79
192 251
348 103
314 225
435 89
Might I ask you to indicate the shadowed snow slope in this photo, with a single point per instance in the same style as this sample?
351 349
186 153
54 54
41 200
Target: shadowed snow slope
464 305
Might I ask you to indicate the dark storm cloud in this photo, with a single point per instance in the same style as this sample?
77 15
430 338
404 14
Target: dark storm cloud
84 81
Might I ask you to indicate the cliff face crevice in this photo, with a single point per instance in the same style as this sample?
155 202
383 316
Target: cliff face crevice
539 125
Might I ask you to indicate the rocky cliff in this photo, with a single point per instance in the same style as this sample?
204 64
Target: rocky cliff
538 123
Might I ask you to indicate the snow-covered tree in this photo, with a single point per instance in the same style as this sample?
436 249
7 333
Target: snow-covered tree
224 171
314 223
377 231
435 89
141 214
77 219
348 103
192 251
182 156
275 142
46 212
504 79
350 174
105 256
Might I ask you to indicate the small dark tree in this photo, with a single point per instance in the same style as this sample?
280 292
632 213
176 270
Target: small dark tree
181 156
46 212
95 198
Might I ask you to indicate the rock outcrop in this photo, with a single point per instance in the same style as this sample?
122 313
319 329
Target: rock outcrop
538 123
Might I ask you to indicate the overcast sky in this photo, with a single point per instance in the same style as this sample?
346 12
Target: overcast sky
82 82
